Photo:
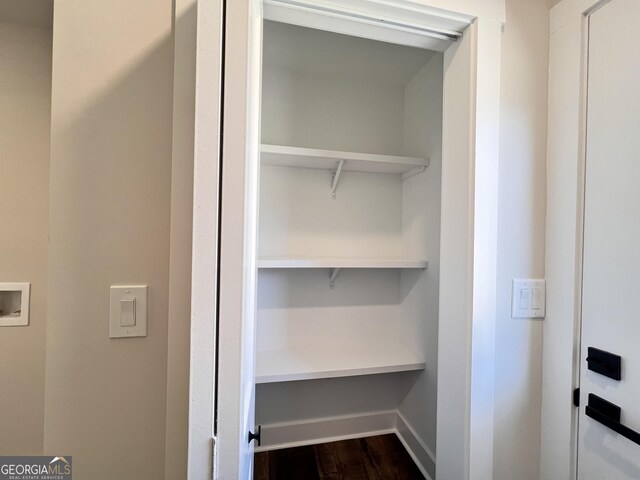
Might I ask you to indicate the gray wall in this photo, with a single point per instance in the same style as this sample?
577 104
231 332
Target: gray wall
25 110
111 172
181 234
521 227
121 208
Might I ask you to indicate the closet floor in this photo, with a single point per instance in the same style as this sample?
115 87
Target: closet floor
382 457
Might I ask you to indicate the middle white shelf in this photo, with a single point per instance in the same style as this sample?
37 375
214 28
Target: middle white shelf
337 264
340 262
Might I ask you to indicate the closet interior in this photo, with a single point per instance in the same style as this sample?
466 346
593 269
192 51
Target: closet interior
349 229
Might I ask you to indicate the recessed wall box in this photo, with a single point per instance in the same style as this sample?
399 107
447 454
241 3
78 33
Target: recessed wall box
14 304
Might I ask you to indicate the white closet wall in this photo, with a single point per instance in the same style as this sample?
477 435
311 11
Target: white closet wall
318 111
421 232
323 90
333 92
331 397
298 217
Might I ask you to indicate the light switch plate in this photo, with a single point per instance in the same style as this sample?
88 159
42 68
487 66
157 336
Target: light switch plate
528 298
134 300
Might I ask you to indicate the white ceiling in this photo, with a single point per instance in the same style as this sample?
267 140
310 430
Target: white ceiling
320 53
36 13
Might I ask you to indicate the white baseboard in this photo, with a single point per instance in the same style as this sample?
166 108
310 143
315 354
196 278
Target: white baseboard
309 432
417 449
331 429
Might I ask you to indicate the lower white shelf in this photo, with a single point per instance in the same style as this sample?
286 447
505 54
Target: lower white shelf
307 363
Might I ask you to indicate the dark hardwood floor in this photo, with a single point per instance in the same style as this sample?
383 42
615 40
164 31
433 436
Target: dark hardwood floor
373 458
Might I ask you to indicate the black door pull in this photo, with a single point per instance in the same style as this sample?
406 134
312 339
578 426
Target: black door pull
604 363
608 414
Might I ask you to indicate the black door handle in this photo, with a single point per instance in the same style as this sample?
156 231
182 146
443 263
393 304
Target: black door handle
604 363
608 414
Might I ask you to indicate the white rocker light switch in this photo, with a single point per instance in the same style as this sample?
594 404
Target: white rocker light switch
128 317
128 312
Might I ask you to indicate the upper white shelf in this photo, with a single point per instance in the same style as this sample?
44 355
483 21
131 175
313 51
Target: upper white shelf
353 162
328 262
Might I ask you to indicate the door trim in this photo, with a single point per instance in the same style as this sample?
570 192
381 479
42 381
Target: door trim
566 155
204 279
466 339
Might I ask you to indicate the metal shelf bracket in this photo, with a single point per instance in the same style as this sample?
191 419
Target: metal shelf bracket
335 176
415 171
332 276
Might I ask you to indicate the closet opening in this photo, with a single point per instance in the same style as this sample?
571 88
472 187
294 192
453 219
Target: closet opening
349 239
357 230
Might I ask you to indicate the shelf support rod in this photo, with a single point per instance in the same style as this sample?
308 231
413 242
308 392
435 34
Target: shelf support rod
335 177
332 276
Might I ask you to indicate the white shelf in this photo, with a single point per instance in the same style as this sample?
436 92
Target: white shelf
329 262
331 362
353 162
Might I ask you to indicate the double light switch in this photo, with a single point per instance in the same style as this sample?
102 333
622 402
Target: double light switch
528 299
128 316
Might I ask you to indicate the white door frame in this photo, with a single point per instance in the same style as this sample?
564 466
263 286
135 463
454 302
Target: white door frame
467 291
468 256
205 238
564 235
